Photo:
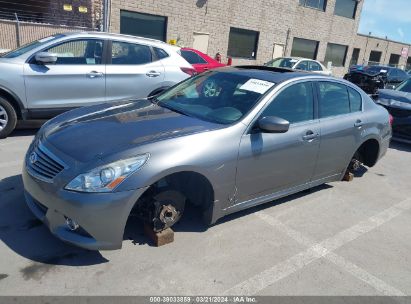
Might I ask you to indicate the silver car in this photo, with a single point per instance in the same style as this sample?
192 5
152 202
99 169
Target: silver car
261 134
299 63
65 71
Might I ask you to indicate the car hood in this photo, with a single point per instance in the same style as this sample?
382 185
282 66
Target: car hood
395 95
97 131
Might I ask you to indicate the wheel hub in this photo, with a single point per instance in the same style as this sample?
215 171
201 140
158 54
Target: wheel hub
4 119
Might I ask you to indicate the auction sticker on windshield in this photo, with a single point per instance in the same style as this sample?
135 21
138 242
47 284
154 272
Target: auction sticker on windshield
257 85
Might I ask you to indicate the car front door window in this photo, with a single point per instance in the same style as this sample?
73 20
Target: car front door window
294 104
85 52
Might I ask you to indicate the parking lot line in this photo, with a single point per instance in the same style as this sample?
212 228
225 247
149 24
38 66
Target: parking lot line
319 250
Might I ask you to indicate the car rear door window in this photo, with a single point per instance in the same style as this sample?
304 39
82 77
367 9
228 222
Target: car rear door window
84 51
161 54
124 53
355 100
333 99
314 66
295 103
192 57
303 65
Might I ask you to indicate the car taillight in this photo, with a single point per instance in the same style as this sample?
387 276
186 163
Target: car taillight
391 119
189 71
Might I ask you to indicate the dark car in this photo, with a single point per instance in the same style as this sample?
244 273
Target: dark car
398 103
373 78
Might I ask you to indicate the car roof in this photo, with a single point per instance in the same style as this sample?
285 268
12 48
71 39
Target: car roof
270 74
115 35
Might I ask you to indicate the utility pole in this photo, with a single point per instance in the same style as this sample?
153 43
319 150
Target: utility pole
17 30
106 15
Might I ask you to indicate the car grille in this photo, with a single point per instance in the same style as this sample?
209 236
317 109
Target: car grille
42 164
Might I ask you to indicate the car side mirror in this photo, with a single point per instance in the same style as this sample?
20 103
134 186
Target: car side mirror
45 58
273 124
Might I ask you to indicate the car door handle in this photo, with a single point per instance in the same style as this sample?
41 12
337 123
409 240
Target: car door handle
94 74
153 74
358 124
310 135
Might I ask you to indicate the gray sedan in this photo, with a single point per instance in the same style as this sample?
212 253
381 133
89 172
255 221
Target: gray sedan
259 134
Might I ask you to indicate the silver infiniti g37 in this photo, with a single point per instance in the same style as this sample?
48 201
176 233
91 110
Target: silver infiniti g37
222 141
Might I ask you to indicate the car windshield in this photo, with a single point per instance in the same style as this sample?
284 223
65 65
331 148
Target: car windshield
30 46
222 97
405 86
282 63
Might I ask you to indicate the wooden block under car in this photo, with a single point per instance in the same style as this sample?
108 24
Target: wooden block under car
348 177
159 238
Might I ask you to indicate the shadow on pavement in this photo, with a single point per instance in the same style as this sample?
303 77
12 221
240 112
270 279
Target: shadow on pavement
400 146
18 133
28 237
192 221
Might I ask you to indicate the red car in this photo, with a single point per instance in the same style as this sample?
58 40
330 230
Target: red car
200 61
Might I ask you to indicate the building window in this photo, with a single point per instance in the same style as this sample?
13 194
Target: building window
394 60
317 4
304 48
375 58
144 25
336 53
346 8
243 43
355 56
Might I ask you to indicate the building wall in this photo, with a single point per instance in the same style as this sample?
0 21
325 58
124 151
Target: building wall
326 27
366 44
271 18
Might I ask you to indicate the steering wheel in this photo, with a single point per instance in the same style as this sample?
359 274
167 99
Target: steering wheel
210 89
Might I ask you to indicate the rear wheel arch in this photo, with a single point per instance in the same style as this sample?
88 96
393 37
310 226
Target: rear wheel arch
369 152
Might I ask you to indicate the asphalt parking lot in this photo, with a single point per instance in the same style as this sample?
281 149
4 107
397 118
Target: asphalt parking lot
339 239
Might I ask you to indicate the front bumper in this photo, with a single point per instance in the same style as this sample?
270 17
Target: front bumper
102 216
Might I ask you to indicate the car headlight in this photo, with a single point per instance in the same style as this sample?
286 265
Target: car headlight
106 178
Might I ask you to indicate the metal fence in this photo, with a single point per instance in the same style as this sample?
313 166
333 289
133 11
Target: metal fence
14 33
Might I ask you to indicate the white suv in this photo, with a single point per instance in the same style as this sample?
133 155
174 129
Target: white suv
55 74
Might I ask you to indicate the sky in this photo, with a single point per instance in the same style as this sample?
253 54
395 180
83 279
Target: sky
390 18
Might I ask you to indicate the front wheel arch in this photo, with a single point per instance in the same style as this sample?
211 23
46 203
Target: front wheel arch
196 189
